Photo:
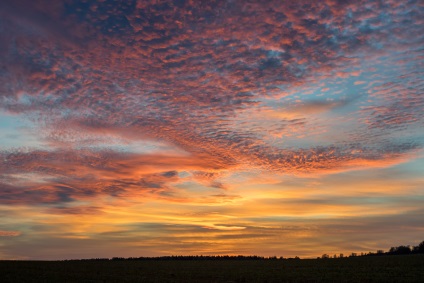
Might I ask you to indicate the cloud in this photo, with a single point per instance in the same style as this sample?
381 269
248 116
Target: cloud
67 176
76 210
305 108
9 233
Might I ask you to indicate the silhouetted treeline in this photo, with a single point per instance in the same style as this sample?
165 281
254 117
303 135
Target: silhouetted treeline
400 250
195 257
407 249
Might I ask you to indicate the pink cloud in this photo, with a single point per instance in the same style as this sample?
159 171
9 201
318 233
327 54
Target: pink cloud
9 233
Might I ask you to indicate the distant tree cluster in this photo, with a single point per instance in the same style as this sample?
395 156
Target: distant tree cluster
407 249
399 250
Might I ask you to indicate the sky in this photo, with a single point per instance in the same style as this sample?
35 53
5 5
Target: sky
152 128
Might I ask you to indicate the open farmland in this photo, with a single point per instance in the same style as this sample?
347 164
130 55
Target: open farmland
401 268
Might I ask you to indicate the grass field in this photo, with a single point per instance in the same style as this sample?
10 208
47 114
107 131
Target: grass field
407 268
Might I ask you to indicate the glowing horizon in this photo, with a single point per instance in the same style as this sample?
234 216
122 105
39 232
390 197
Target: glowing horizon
151 128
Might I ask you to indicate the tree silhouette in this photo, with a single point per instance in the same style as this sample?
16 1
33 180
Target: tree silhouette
400 250
419 249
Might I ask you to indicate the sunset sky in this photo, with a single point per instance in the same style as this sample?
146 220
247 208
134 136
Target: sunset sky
151 128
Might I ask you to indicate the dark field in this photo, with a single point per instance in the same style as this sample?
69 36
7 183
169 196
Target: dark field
402 268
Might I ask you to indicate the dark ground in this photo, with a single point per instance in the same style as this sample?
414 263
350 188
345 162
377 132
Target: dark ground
400 268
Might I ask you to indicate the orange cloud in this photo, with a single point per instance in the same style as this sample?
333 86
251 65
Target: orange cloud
9 233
